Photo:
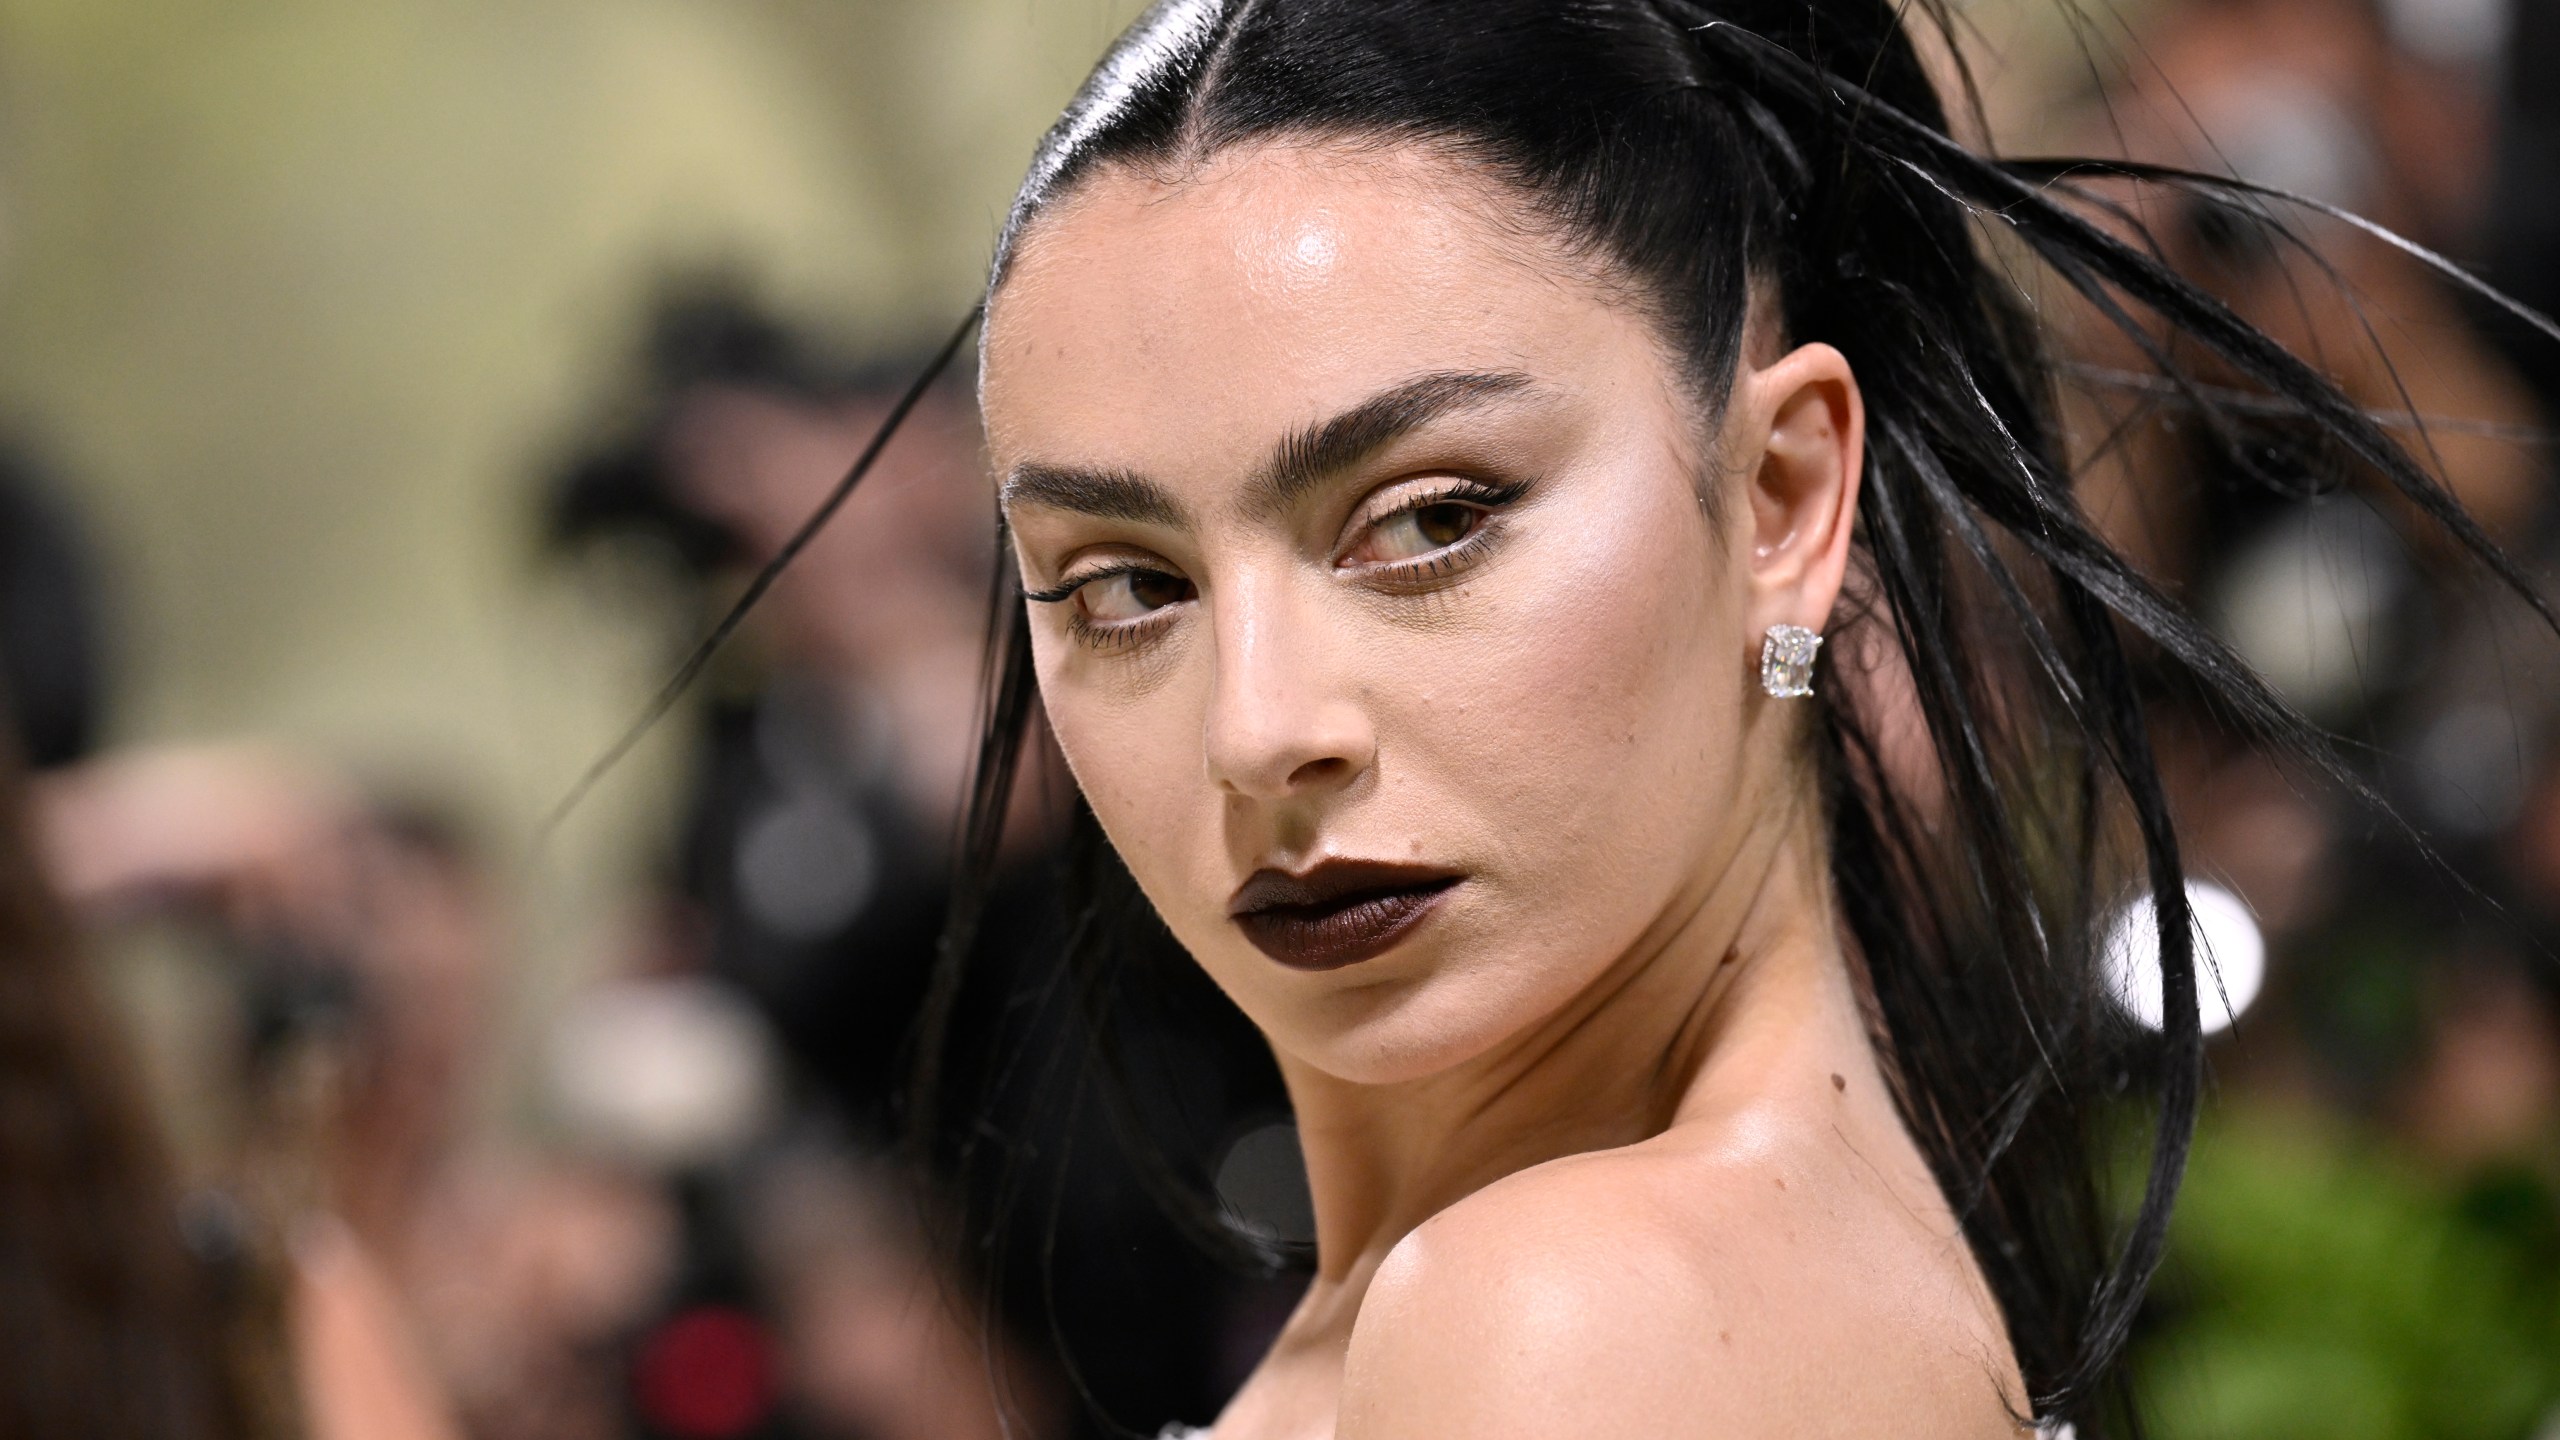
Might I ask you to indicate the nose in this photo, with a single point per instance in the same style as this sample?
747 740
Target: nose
1283 723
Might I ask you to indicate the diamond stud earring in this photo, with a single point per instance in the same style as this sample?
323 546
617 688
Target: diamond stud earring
1786 661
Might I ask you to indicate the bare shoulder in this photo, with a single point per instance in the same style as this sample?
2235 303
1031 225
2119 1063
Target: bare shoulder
1734 1284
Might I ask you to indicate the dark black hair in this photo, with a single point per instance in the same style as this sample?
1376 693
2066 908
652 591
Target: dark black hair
1703 149
52 671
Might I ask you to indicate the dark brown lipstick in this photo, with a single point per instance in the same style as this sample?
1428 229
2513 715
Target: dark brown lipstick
1339 913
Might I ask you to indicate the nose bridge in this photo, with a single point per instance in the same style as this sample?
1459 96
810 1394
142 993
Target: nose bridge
1282 718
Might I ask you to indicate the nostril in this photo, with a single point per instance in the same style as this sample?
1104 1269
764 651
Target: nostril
1319 772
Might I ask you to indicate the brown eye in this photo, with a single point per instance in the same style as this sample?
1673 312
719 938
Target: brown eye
1130 595
1445 524
1410 534
1154 589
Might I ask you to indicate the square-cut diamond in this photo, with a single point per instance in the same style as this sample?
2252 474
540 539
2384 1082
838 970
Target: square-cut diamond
1786 660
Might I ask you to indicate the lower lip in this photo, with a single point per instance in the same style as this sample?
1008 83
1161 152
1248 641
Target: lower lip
1328 938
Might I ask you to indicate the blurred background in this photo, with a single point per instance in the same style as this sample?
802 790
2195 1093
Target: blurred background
390 391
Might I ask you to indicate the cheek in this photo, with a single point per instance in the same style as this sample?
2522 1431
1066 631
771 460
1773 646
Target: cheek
1590 713
1131 738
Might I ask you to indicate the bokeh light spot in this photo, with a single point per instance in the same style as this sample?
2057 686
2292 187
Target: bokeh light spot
2229 947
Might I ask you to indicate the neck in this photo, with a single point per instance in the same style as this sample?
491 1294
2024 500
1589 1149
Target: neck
1744 959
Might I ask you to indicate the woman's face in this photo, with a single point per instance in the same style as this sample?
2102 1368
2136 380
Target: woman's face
1376 610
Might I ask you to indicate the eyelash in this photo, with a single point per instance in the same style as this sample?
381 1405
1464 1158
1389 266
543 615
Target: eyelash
1421 570
1124 635
1414 573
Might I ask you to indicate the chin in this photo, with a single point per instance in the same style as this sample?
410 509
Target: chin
1398 1032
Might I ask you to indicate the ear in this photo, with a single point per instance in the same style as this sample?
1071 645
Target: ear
1805 442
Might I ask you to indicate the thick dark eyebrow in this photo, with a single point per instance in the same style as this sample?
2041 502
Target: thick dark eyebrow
1307 458
1103 494
1300 462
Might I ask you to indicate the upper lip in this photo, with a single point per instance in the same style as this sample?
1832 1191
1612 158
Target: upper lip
1329 884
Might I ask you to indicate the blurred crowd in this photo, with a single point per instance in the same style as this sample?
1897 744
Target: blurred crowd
253 1183
725 1233
2370 1244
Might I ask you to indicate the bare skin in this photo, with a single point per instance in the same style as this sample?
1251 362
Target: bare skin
1599 1147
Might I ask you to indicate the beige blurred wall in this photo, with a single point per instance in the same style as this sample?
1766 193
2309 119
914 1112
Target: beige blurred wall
300 294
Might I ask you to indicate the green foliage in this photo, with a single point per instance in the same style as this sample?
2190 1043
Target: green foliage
2319 1288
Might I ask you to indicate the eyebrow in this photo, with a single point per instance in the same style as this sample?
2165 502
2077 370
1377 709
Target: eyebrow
1103 494
1306 458
1302 460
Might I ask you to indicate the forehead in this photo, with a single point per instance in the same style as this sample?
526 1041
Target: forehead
1188 315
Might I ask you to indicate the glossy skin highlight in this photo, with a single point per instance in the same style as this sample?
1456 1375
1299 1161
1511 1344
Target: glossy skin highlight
1363 523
